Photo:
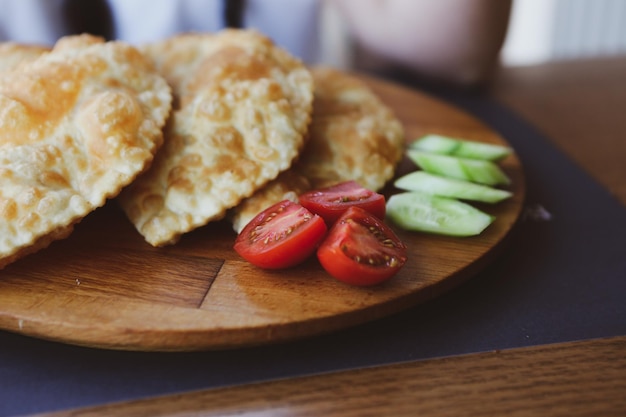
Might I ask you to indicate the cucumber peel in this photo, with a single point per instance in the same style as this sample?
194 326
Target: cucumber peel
461 147
419 211
474 170
450 187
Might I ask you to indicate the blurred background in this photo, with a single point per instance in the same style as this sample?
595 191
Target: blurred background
549 30
540 31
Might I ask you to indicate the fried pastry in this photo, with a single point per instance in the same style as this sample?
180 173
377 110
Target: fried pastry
13 54
353 136
76 125
242 109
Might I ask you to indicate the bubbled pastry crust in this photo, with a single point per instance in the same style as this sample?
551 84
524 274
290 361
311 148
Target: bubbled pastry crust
13 54
353 136
76 125
242 109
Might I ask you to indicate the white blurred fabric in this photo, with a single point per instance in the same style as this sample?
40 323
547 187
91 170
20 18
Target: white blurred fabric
292 24
31 21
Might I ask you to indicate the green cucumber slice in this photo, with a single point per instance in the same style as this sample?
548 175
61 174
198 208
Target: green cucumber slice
461 147
418 211
450 187
474 170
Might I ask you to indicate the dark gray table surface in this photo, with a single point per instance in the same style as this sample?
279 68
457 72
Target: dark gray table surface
561 278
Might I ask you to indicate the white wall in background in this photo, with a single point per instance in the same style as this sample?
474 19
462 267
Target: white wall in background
530 32
546 30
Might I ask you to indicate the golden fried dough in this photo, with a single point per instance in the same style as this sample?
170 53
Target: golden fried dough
13 54
76 125
242 108
77 41
353 136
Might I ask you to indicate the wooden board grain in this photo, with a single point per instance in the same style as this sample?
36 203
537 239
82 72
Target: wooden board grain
582 378
105 287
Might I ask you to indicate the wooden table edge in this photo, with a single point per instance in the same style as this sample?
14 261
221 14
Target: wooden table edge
573 378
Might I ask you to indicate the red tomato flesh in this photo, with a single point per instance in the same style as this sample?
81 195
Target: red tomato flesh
281 236
361 250
332 202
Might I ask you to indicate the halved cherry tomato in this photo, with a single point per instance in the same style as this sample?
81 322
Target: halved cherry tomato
281 236
332 202
361 250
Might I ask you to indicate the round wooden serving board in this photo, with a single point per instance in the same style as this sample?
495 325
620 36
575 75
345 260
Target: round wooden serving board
105 287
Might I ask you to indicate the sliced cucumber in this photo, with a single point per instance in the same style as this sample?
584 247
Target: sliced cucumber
418 211
474 170
460 147
450 187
